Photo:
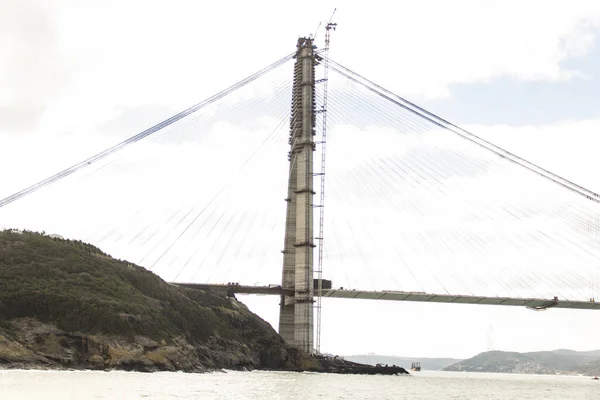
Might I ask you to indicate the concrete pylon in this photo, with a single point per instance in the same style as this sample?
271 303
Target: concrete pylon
296 312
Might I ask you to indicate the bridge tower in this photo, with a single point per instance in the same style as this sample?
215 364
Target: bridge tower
296 307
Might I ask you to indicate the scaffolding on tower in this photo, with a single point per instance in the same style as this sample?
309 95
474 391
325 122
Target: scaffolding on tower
328 28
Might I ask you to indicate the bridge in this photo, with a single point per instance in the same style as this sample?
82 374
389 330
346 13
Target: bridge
418 209
535 304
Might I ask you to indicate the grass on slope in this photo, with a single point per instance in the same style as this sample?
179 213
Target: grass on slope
80 288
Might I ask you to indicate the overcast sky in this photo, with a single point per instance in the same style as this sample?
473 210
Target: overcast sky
79 76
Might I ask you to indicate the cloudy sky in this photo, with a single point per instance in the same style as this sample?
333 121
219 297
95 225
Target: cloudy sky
202 201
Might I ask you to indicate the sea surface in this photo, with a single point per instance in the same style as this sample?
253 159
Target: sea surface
82 385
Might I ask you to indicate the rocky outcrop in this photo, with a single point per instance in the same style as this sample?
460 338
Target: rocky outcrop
27 343
427 364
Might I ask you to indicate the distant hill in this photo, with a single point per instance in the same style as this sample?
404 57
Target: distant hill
592 353
563 362
429 364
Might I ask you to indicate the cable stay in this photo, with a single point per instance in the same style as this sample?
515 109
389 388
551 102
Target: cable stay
68 171
410 216
442 123
421 220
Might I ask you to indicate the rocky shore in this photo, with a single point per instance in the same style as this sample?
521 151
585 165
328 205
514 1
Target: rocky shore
31 344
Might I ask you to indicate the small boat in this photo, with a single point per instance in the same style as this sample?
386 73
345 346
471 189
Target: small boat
595 378
415 366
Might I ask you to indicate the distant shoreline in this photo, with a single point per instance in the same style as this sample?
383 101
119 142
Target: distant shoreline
554 363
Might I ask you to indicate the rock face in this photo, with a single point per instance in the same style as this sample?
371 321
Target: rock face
66 304
563 362
29 343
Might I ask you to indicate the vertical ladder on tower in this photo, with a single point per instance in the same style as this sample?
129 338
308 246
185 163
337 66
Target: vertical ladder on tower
330 26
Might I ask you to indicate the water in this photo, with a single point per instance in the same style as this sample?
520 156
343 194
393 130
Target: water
48 385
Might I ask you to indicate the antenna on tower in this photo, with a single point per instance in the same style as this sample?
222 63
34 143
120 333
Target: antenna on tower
323 111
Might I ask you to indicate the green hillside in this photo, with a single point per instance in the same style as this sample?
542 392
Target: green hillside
85 305
564 362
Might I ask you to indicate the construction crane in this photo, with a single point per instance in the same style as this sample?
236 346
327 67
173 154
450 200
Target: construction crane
328 28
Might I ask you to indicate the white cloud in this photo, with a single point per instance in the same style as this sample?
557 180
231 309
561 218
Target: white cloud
76 63
421 49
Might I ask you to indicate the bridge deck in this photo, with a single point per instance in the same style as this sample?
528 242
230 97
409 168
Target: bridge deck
406 296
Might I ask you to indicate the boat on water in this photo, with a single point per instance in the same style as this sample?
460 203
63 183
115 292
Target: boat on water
415 366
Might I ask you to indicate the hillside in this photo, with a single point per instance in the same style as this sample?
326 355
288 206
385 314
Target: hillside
428 364
564 362
67 304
